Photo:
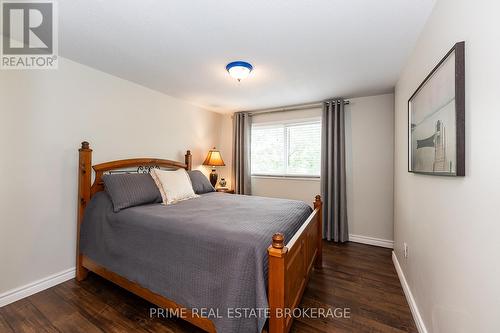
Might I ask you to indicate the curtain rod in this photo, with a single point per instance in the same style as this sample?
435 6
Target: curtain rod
291 108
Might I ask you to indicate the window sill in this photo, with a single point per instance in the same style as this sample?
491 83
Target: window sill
305 178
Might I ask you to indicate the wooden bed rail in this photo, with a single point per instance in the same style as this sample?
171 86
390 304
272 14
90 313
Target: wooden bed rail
290 267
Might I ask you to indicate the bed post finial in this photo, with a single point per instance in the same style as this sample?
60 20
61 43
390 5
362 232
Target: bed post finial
278 240
317 201
188 159
85 145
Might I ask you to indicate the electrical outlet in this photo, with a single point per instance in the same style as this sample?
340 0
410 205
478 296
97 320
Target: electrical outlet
406 250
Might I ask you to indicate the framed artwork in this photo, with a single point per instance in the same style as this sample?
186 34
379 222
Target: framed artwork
436 119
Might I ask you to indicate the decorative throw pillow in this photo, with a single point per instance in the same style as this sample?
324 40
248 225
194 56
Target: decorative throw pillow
176 185
200 183
131 189
158 185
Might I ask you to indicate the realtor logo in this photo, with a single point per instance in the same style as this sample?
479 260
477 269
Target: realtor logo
29 35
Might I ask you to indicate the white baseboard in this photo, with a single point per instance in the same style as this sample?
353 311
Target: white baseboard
36 286
371 241
409 296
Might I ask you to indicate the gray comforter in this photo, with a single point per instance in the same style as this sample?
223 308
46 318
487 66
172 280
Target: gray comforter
208 252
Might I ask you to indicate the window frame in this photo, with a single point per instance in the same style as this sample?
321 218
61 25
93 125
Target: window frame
287 124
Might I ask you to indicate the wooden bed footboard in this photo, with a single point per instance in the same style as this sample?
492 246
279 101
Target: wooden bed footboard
289 265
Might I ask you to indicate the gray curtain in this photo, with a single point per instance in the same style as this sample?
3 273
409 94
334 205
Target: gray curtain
333 173
242 123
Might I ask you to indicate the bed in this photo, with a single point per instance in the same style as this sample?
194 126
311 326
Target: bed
219 251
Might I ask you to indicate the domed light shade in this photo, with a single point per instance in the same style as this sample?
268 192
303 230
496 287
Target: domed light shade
239 69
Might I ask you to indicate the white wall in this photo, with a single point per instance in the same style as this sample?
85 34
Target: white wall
369 150
452 225
226 148
44 117
369 146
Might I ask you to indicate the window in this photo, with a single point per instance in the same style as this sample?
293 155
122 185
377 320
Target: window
286 149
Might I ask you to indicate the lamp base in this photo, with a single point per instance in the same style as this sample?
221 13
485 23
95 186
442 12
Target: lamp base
213 177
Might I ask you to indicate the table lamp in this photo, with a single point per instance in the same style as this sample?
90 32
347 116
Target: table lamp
213 159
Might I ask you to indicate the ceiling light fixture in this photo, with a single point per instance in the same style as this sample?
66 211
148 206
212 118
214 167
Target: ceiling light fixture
239 69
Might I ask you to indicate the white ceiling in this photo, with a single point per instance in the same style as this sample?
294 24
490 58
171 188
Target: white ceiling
302 51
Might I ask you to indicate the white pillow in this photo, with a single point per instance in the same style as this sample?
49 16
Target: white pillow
174 186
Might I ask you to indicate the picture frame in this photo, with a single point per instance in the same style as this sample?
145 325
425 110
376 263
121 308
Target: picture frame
436 119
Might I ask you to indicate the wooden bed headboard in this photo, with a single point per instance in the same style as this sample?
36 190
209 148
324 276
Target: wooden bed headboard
87 189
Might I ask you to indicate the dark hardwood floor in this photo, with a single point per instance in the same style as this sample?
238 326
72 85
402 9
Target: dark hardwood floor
355 276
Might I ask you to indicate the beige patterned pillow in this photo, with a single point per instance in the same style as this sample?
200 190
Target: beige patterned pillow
174 186
158 184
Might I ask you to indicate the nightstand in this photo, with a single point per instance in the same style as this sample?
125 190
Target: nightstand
225 190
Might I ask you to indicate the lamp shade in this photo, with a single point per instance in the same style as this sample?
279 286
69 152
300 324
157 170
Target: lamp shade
214 158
